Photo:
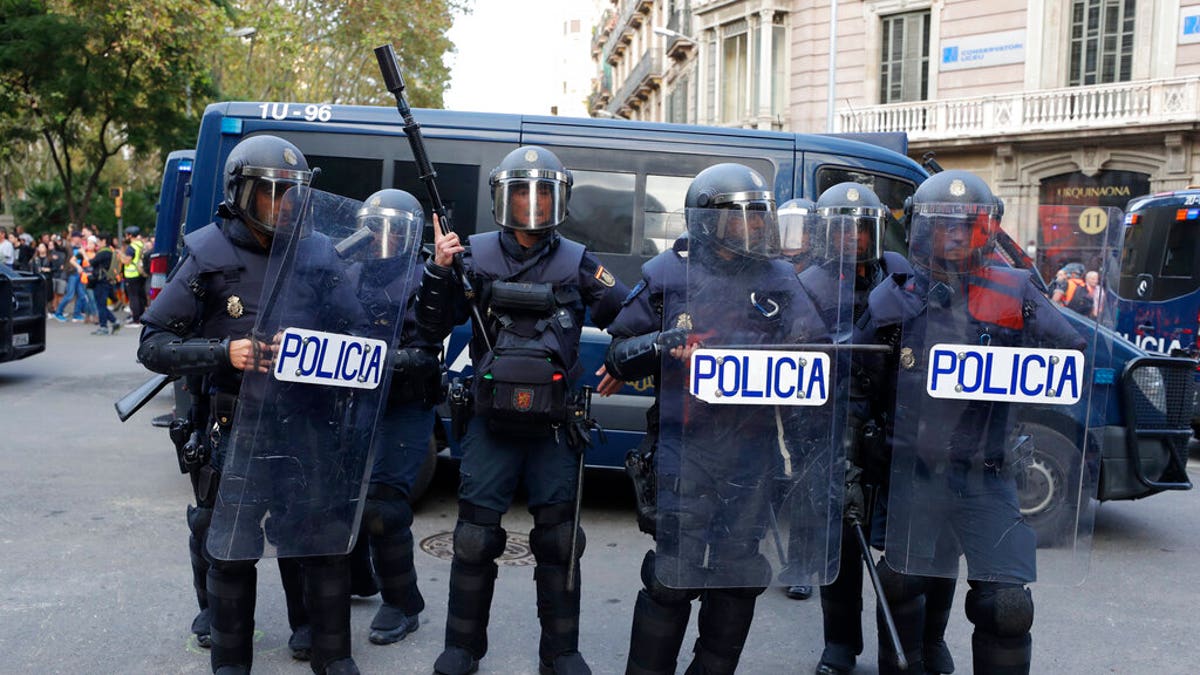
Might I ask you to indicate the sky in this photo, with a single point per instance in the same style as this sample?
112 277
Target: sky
507 51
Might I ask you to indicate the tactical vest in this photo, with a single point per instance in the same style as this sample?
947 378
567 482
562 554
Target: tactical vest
534 313
133 268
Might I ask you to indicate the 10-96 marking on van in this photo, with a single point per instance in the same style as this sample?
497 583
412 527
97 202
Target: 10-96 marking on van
760 377
330 359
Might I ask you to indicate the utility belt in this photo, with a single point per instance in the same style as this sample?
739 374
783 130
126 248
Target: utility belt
194 444
416 378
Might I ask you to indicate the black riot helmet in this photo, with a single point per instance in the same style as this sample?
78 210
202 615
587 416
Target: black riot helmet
530 189
796 223
854 211
731 207
953 217
396 219
259 170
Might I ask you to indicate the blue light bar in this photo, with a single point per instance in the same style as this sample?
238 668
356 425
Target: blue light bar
231 126
1104 376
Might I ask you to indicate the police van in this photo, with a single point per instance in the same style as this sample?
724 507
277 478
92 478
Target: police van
629 177
169 212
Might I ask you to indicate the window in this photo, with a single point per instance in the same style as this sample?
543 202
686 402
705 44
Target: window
904 69
890 190
677 101
347 176
457 186
600 214
1181 249
735 71
1101 41
664 212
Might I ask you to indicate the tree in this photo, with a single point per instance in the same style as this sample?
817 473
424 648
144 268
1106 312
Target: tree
89 78
320 51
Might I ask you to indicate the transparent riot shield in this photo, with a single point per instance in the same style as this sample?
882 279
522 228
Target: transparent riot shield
294 473
749 469
995 458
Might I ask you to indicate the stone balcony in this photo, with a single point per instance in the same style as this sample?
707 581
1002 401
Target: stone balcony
1130 106
645 77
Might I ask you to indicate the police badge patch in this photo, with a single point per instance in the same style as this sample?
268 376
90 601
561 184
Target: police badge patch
234 307
605 277
684 321
289 156
523 399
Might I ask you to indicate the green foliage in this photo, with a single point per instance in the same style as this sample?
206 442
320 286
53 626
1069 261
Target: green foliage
44 208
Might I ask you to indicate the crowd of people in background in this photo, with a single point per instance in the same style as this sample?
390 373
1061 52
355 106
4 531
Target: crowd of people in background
97 276
1078 290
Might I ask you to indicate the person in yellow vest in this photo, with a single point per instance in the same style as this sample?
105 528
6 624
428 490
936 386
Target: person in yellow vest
135 281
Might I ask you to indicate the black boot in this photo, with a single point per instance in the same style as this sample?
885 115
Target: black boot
906 598
558 611
362 577
291 575
327 597
994 655
939 597
841 615
725 617
231 597
468 610
198 519
402 600
656 636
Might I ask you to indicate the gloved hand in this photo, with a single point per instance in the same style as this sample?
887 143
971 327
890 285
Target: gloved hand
669 339
854 503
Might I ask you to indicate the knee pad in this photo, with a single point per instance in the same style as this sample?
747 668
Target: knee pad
198 520
386 515
1004 610
661 594
478 537
898 587
550 539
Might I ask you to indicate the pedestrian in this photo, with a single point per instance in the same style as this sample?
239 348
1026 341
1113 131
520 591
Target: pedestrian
8 253
198 327
953 478
1095 292
58 261
852 218
101 288
1073 293
41 265
536 285
24 252
133 273
721 283
72 275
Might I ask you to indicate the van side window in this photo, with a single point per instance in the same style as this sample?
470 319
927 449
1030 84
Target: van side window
347 176
663 212
600 213
457 186
1180 256
891 191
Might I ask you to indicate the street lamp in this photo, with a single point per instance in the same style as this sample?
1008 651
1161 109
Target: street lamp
667 32
608 115
247 31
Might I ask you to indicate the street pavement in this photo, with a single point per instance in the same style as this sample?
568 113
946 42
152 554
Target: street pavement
94 573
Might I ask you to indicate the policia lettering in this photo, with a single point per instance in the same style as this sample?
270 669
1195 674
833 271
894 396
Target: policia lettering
195 329
519 409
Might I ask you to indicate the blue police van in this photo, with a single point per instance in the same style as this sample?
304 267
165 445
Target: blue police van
169 212
629 178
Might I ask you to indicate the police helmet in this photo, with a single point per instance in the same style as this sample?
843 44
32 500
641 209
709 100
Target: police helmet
732 207
854 212
953 216
1074 270
396 219
133 230
267 166
530 171
796 223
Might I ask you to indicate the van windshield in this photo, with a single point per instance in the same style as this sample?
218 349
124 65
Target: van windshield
1158 261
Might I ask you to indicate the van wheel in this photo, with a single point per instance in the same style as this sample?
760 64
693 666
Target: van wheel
425 475
1048 488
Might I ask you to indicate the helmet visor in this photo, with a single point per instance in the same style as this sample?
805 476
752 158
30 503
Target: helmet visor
947 234
857 237
394 232
261 196
797 228
530 199
748 229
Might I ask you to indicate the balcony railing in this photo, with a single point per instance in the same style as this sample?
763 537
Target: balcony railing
645 76
1045 110
602 31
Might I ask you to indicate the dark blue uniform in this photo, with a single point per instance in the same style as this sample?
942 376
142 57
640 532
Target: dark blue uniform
495 461
713 517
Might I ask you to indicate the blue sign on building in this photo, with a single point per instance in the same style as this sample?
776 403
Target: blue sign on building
1191 25
950 54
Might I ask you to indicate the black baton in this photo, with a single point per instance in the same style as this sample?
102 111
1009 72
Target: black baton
880 598
573 563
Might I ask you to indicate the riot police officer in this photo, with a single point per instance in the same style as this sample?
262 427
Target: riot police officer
533 285
402 437
199 325
796 223
952 491
853 215
730 244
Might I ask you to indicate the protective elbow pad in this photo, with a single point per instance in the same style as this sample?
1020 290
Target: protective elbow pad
633 358
166 353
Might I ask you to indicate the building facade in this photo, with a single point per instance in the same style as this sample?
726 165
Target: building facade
1054 102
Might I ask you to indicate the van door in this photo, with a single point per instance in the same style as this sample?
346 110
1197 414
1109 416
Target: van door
892 184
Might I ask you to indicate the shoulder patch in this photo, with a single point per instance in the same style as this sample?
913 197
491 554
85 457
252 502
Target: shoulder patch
605 277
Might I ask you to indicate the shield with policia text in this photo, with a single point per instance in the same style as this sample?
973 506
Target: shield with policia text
749 469
294 477
995 454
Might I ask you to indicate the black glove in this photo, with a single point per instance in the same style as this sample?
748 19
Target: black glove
670 339
854 503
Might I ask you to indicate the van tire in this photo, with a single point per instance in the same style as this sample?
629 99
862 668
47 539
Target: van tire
1048 490
425 474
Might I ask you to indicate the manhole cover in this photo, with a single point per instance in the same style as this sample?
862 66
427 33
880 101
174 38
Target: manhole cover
516 549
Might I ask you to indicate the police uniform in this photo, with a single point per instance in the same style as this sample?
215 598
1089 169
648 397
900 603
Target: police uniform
213 298
977 514
698 518
498 452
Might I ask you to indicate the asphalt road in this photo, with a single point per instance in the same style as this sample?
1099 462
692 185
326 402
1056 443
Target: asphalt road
94 574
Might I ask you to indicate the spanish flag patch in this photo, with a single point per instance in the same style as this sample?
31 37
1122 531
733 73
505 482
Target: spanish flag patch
605 277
